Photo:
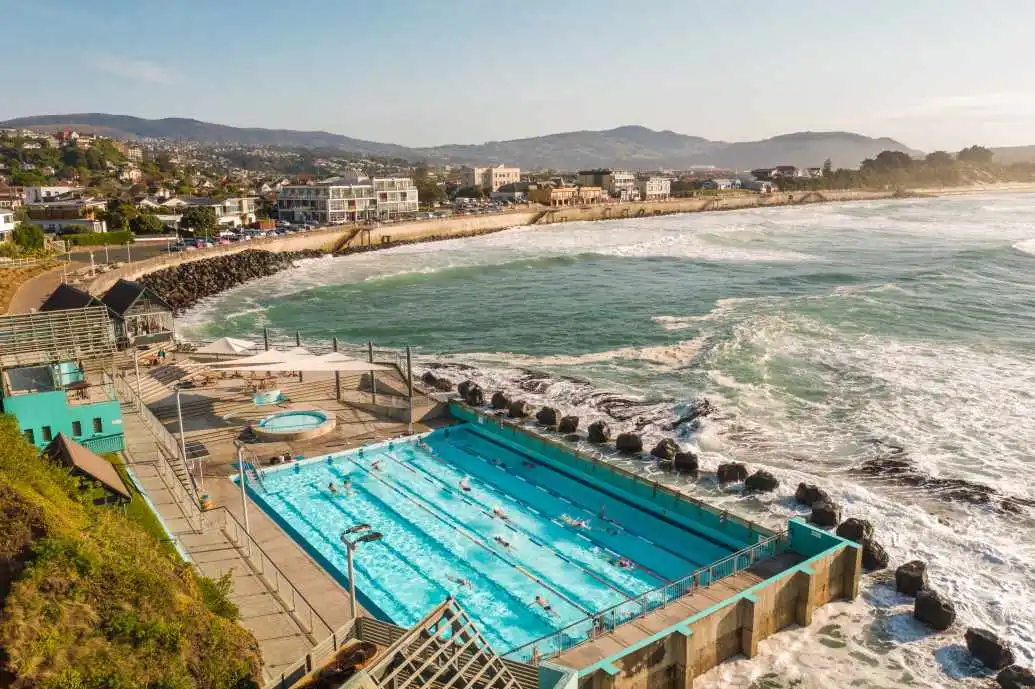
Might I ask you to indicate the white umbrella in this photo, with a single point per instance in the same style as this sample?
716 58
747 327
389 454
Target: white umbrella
268 357
227 345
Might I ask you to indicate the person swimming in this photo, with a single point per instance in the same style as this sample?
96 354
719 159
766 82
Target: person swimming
465 484
542 603
347 485
498 512
460 581
577 523
624 563
333 488
376 465
502 541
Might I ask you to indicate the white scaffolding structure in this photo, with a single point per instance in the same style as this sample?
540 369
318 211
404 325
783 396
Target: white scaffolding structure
48 337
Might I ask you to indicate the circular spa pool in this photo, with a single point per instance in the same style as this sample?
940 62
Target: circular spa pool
294 424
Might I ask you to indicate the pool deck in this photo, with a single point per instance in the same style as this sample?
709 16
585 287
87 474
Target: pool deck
629 634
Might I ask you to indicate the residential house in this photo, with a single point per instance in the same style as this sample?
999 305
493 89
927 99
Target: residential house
762 186
326 203
56 376
10 198
491 178
654 188
89 468
68 213
549 195
394 196
620 184
592 194
7 224
68 297
721 184
139 314
45 194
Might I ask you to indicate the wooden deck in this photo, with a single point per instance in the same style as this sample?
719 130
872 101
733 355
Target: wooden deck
605 646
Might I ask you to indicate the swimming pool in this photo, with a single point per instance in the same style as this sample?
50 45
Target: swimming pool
529 525
294 424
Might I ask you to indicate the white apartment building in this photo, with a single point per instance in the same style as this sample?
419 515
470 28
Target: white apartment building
490 178
6 225
328 203
236 211
620 184
394 196
44 194
654 188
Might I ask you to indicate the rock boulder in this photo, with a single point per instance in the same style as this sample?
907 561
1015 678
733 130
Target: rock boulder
858 530
761 481
500 400
685 463
731 472
934 610
599 432
547 416
519 409
994 652
874 556
1015 677
666 449
825 513
911 578
629 443
568 424
809 494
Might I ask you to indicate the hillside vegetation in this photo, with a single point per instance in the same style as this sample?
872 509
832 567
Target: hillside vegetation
90 599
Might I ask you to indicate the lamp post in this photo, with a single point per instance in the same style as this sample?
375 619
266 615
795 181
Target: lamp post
367 536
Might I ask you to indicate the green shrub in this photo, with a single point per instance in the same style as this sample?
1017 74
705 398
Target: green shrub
99 238
216 595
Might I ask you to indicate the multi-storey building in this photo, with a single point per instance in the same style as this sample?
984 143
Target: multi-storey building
6 224
549 195
394 196
490 178
620 184
328 203
654 188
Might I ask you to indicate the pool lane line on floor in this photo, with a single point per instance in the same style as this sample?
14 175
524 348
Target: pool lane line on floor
476 541
552 493
499 492
473 430
521 530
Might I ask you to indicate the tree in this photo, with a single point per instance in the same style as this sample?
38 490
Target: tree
201 220
939 159
118 214
147 223
28 236
470 193
975 154
828 167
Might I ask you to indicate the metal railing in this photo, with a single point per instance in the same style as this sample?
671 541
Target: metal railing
103 443
604 622
309 621
290 675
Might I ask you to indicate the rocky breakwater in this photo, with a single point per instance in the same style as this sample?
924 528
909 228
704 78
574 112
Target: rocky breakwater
188 283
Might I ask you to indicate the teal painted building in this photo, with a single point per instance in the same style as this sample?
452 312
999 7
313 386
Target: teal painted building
56 376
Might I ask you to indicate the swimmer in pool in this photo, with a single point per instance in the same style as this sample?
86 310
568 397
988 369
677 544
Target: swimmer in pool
502 541
347 485
460 581
465 485
542 603
498 512
624 563
333 488
528 465
376 466
577 523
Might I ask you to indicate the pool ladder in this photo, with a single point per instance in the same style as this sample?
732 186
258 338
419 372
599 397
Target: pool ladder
254 475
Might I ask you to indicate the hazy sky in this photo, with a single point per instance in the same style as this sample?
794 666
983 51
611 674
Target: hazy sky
931 73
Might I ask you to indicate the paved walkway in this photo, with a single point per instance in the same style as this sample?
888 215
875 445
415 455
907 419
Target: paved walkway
283 636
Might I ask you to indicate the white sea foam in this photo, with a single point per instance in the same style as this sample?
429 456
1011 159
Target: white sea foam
1026 246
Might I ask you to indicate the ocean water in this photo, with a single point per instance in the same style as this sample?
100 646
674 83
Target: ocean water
831 339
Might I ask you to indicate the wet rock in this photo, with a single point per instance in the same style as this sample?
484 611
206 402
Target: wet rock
911 578
825 513
464 387
568 424
698 410
858 530
629 443
430 380
547 416
934 610
685 463
519 409
599 432
475 396
984 645
874 556
809 494
1015 677
761 481
500 400
666 449
731 472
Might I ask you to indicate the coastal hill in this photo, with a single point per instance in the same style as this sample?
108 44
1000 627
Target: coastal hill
629 146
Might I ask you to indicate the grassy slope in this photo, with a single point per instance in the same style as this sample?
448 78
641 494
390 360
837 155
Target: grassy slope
91 599
13 278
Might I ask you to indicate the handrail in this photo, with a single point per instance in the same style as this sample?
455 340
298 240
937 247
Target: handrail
605 621
290 675
306 615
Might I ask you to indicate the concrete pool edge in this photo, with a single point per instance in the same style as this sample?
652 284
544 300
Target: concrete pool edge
328 424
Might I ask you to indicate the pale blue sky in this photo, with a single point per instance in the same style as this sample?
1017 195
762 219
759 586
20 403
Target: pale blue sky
931 73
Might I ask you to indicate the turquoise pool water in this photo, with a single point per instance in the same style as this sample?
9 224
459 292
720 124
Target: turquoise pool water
435 534
293 421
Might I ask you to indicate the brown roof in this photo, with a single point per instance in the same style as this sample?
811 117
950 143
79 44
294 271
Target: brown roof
72 454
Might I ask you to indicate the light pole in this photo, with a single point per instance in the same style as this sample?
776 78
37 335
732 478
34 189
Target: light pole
244 493
350 545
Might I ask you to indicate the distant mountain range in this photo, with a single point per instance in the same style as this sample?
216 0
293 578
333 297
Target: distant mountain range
630 146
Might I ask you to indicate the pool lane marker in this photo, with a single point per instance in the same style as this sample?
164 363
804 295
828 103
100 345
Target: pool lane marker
476 540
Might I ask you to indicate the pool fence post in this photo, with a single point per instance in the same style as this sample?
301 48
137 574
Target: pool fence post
409 391
266 338
136 367
298 343
373 382
337 374
244 495
352 581
179 417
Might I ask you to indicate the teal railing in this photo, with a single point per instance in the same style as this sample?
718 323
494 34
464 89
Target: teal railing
104 443
604 622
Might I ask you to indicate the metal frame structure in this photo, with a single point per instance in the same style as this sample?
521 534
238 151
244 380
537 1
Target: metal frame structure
28 339
444 650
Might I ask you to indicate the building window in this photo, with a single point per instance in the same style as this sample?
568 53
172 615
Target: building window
47 435
29 436
77 428
97 426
